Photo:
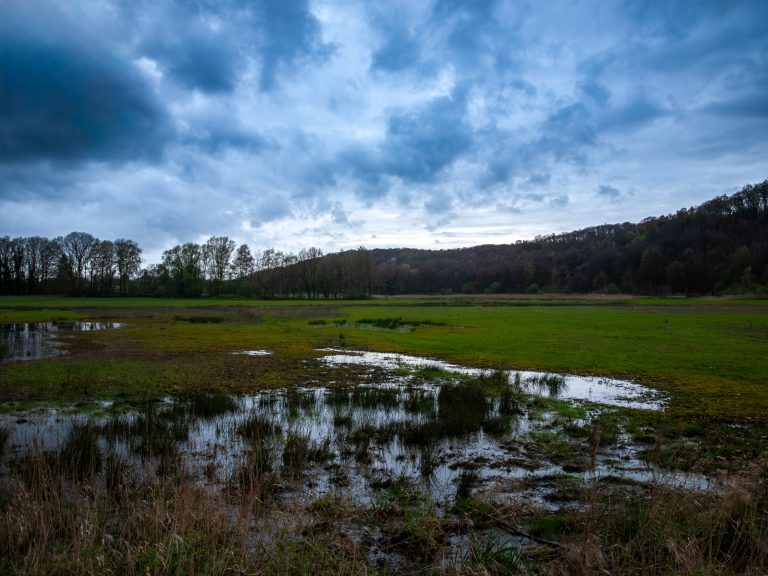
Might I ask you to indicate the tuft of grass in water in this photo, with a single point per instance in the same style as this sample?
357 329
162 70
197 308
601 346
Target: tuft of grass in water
268 401
4 435
80 456
300 450
253 479
321 452
497 425
256 428
465 485
116 474
338 397
492 557
511 400
428 461
209 405
153 433
552 384
461 409
410 519
419 402
363 397
297 401
343 419
295 454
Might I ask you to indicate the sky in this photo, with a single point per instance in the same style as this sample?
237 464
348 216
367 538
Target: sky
338 124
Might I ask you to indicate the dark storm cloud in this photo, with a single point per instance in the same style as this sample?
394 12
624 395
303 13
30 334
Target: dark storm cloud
465 34
292 34
208 45
192 53
41 179
62 101
418 144
567 132
216 132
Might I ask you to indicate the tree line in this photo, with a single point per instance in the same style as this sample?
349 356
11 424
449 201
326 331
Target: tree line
79 264
76 264
719 246
217 268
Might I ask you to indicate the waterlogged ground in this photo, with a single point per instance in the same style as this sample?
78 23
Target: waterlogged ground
438 433
39 340
599 390
220 437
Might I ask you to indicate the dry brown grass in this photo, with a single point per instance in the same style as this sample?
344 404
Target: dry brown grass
675 531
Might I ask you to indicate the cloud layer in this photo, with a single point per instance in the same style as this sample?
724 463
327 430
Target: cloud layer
433 124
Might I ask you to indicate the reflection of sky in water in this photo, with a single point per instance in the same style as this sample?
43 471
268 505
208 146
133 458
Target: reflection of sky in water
500 461
36 340
567 387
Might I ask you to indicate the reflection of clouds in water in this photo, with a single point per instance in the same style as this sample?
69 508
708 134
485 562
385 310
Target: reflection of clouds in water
371 434
568 387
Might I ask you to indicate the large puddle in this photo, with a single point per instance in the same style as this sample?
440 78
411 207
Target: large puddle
497 434
568 387
397 425
38 340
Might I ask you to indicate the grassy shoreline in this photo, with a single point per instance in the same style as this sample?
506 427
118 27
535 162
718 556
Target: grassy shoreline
713 363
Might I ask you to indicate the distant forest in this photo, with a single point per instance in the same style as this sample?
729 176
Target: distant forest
718 247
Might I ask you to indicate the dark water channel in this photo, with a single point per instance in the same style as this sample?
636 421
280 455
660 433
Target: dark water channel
38 340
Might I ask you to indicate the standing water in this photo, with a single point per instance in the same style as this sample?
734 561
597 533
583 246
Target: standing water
37 340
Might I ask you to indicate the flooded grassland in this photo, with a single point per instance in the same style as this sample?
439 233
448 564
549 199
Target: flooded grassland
257 443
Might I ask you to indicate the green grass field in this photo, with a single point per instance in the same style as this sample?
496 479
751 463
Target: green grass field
140 487
711 355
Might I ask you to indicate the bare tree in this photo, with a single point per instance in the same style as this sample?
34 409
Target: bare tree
184 266
128 260
309 263
219 249
78 248
243 264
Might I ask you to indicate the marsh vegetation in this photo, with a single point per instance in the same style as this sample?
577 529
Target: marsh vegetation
176 446
427 469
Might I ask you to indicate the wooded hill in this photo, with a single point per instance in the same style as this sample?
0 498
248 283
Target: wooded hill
718 247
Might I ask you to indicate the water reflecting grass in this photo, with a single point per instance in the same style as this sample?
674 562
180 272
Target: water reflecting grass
38 340
427 469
